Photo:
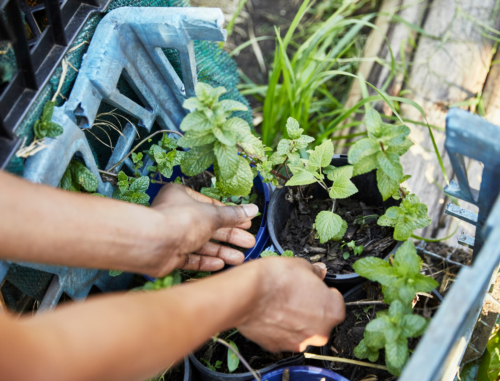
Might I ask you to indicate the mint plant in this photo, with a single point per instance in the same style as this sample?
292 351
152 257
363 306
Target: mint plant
44 127
269 253
401 281
132 189
165 155
381 150
213 138
78 178
356 250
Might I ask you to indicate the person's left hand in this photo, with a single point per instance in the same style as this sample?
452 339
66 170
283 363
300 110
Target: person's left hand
192 220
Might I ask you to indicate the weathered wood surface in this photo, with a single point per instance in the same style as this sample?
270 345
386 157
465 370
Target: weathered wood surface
449 65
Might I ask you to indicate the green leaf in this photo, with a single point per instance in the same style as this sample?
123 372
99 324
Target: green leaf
397 310
67 183
376 270
225 136
268 253
386 185
406 260
241 183
196 138
368 164
342 188
227 159
48 111
140 185
362 148
362 351
294 158
197 160
423 283
82 175
196 121
396 355
293 129
114 273
287 253
284 147
229 105
400 149
334 174
303 141
193 104
390 165
403 231
232 360
322 154
375 332
373 123
341 233
214 193
277 159
328 225
136 157
252 145
53 130
394 135
301 177
413 325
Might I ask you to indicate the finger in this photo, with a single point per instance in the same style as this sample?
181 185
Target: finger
315 341
229 255
209 200
319 269
202 198
195 262
232 216
235 236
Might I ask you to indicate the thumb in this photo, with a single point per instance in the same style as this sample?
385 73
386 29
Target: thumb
319 269
232 216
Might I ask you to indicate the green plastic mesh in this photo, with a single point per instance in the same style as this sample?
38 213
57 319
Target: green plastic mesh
214 66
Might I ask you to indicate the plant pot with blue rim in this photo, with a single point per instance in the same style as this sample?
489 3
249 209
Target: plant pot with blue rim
347 335
260 229
291 219
303 373
210 361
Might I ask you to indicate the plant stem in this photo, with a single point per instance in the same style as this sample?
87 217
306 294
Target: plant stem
107 173
226 344
347 361
365 303
141 143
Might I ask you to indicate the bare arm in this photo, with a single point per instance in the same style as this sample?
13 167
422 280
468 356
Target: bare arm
280 303
46 225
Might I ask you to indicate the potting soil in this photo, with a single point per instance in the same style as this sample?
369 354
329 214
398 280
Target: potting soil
299 235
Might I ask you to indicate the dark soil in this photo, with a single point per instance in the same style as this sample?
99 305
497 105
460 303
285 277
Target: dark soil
298 234
441 270
347 335
256 357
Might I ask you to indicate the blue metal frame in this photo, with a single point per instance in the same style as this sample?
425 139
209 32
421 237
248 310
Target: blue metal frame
450 330
127 41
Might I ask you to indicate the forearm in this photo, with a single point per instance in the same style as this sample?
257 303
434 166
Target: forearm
128 337
46 225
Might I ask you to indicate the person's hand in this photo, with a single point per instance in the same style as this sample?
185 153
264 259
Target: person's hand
294 308
192 220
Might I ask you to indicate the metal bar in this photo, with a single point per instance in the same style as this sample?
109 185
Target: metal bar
461 213
20 44
466 240
53 12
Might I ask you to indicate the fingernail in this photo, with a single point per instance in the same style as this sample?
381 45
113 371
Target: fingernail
320 264
250 210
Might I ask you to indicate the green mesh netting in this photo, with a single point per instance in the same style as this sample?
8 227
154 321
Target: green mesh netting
214 66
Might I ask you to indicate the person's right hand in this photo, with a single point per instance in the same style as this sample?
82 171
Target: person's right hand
294 307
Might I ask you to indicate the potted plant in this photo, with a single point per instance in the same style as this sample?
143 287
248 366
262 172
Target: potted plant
393 323
330 211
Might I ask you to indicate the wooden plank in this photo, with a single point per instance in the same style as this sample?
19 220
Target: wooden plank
444 71
376 46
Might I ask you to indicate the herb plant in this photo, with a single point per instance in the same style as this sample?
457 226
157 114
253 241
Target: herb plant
44 127
132 189
357 250
78 178
381 150
401 281
269 253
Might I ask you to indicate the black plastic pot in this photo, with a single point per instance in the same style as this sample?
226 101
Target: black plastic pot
355 294
280 209
188 375
206 374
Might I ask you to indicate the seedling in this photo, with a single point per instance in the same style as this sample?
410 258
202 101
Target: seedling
357 250
217 365
400 282
361 220
132 189
44 127
381 150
